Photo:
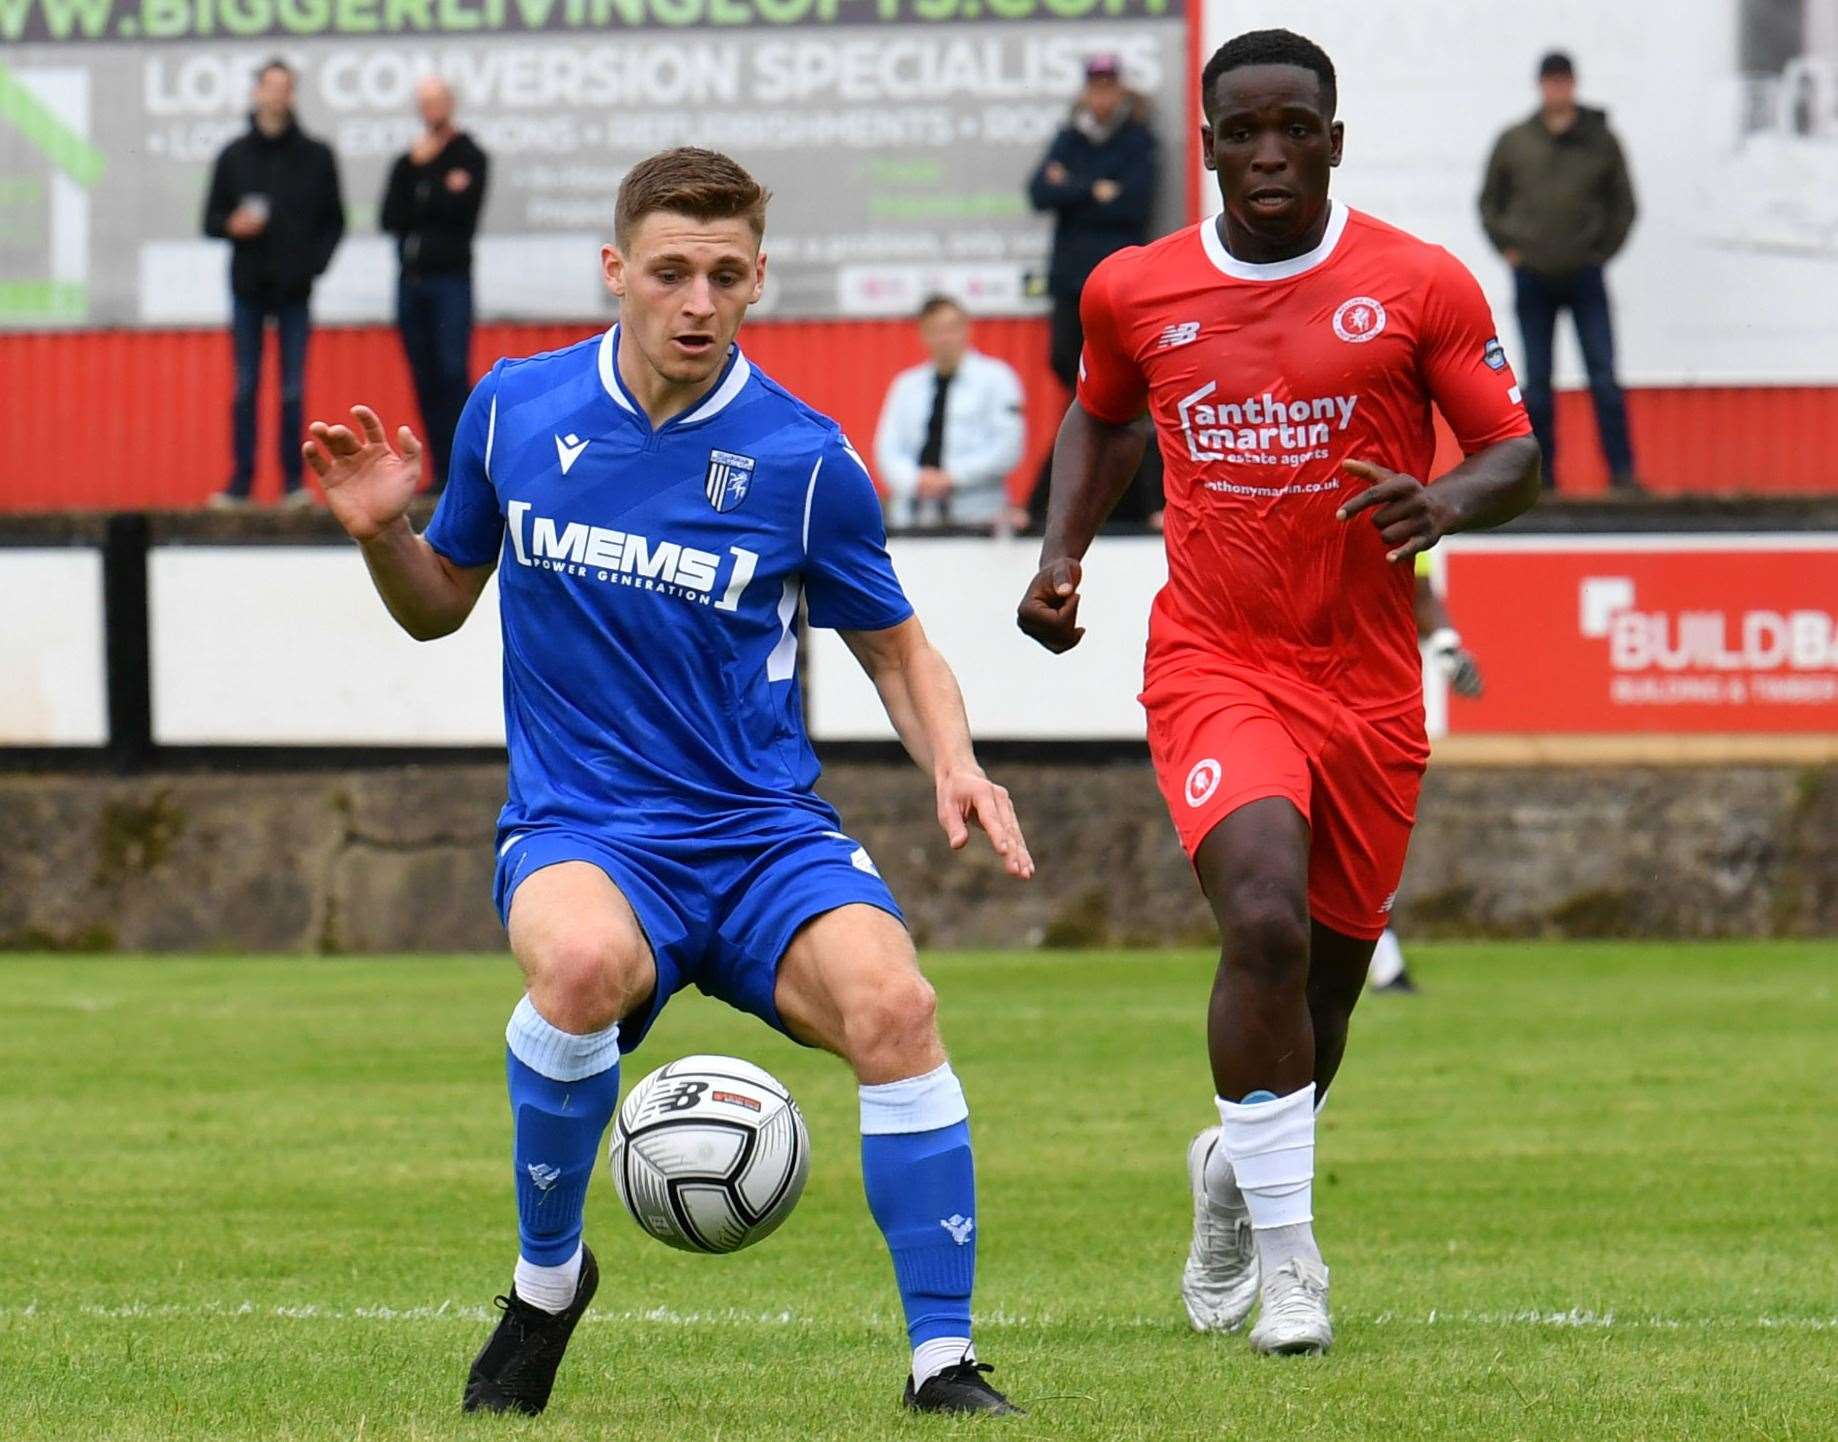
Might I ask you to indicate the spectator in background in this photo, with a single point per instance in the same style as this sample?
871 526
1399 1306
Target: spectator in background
951 430
275 197
1098 179
431 205
1558 203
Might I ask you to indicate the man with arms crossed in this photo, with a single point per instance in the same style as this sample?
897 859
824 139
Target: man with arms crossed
1288 355
659 508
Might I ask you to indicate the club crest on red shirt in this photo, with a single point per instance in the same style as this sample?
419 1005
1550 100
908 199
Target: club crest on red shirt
1358 320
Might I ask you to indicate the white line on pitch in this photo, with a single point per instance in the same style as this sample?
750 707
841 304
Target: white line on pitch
448 1311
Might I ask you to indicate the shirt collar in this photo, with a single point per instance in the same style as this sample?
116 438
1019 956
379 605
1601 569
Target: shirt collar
734 378
1229 264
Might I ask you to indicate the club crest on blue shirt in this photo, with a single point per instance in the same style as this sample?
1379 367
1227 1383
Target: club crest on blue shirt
729 478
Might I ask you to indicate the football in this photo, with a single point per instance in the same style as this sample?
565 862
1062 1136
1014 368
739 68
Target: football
710 1154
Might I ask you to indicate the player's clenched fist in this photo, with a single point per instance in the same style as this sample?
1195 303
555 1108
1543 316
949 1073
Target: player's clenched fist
1410 516
1049 612
367 485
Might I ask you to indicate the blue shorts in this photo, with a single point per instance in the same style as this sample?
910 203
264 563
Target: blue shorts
718 912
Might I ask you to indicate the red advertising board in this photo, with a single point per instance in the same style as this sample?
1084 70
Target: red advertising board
1647 634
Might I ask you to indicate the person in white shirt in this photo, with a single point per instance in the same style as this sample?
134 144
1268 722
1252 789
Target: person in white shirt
951 429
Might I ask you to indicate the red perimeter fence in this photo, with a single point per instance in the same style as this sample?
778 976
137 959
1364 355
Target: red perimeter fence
136 419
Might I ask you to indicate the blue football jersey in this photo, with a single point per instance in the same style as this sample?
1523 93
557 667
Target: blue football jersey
649 582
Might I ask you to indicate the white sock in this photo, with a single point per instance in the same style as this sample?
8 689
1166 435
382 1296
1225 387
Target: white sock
919 1104
1387 961
550 1288
931 1358
1272 1149
562 1056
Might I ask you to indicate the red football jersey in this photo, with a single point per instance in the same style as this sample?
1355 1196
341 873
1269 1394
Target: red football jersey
1261 380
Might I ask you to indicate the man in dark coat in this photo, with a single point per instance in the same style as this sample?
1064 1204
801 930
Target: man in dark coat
1558 205
1098 179
275 197
431 206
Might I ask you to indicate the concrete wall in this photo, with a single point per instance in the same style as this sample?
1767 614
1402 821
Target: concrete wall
397 859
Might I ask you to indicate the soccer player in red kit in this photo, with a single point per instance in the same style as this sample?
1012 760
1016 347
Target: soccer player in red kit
1288 355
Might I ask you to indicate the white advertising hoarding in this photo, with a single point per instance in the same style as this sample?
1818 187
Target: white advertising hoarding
965 592
289 646
1727 111
53 683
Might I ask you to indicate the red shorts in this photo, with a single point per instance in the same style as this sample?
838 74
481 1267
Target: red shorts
1222 738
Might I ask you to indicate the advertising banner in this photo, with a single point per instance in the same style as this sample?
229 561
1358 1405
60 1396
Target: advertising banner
1575 636
1648 634
54 663
896 136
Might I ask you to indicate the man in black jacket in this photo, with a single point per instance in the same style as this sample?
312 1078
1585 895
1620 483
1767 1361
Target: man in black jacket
1098 178
275 197
1558 204
431 205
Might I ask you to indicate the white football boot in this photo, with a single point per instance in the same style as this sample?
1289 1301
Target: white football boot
1219 1284
1294 1321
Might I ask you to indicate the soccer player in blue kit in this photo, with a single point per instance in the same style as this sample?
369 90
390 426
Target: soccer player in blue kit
656 509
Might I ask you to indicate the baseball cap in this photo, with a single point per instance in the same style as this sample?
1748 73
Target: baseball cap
1556 63
1103 67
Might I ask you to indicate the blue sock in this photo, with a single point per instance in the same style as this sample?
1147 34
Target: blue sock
921 1185
564 1089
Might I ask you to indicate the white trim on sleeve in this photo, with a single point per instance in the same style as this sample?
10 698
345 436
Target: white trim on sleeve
810 493
491 433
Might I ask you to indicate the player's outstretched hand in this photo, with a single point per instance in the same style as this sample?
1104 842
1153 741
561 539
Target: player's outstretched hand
966 796
1049 612
367 485
1409 515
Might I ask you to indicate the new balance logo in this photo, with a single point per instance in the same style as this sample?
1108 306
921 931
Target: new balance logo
959 1227
1186 333
543 1175
568 450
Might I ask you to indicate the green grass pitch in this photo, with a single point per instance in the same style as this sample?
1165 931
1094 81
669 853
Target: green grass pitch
1580 1191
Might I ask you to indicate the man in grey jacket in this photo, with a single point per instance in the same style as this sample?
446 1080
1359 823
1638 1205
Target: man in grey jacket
1558 204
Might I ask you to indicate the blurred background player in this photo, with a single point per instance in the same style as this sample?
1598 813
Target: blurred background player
1441 643
1440 640
1283 683
662 829
431 206
1098 181
951 429
275 197
1558 203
